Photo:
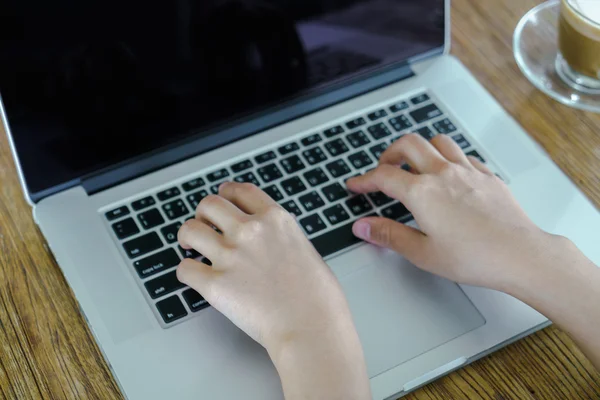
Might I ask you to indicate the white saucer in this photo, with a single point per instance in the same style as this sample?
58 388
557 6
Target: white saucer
536 51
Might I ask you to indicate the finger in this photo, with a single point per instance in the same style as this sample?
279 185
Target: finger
220 212
199 236
391 180
198 276
450 150
416 151
480 166
247 197
393 235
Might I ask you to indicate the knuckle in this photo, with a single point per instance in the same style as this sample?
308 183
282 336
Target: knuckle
249 229
383 232
277 214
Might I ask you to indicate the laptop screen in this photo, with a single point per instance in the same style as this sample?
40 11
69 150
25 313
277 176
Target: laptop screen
88 84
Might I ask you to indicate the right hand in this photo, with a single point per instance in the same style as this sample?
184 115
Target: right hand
471 228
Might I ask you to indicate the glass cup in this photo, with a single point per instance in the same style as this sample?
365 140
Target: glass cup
578 60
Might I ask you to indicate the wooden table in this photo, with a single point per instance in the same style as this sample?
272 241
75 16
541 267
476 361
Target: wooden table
47 351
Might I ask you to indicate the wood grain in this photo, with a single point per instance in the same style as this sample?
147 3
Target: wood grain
47 351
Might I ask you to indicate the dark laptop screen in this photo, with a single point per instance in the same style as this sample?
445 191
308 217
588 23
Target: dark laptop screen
87 84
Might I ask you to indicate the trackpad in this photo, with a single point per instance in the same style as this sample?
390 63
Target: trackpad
400 311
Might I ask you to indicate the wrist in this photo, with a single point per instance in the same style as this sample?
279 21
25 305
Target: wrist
549 260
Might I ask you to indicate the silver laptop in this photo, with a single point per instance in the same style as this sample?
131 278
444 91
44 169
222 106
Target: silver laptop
122 122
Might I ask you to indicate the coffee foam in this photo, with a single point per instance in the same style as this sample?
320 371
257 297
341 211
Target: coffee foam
583 15
588 8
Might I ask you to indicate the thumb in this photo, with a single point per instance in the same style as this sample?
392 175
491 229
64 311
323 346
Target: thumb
198 276
393 235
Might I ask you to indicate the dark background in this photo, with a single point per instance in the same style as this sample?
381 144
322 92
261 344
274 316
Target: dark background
90 83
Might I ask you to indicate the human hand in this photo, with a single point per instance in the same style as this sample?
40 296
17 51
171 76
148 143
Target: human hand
265 277
471 228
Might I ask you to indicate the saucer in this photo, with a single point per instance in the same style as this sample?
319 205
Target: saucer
535 46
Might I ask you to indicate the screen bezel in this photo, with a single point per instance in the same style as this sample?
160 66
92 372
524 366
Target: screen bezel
143 164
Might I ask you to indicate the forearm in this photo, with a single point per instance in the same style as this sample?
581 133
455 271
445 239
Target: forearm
565 286
327 366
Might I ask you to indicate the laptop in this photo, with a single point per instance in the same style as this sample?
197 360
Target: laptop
122 118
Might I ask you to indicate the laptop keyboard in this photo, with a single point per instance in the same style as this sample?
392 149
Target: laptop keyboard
306 176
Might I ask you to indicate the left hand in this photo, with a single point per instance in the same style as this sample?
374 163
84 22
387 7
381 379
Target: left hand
265 277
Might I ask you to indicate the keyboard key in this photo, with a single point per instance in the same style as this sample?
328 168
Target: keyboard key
175 209
143 203
142 245
400 123
193 184
274 193
355 123
163 285
269 173
156 263
195 198
336 130
425 113
420 99
151 218
374 116
312 139
335 192
360 160
117 213
169 232
292 164
293 186
475 154
426 133
358 139
125 228
399 107
461 141
247 178
314 155
336 147
335 240
168 194
288 148
291 207
396 212
171 309
444 126
336 214
312 224
380 199
311 201
194 300
378 150
338 168
359 205
379 131
189 253
217 175
316 177
263 158
241 166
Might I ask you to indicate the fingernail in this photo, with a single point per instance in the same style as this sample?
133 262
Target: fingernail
362 230
222 185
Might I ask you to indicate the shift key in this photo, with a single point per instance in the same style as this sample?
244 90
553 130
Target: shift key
163 285
142 245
